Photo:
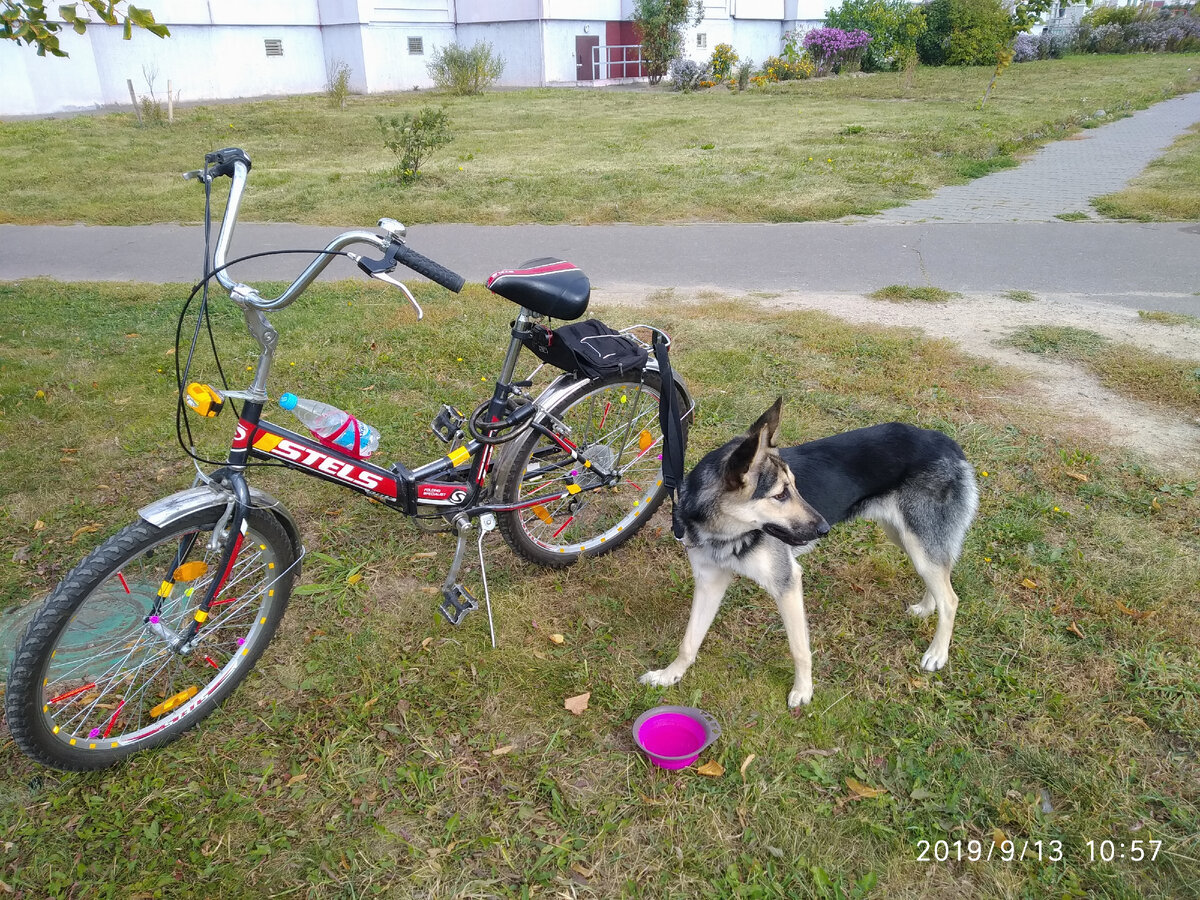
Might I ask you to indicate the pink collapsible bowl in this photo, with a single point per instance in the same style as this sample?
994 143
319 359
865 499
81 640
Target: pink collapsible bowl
674 736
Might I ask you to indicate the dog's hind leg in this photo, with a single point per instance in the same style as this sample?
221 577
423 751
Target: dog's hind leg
709 585
928 604
939 595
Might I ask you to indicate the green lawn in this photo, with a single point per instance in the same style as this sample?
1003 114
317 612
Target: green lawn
1167 191
793 152
378 752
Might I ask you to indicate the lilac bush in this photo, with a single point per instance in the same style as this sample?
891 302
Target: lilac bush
833 48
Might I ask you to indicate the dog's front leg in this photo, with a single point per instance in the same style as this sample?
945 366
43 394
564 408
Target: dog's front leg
790 601
709 585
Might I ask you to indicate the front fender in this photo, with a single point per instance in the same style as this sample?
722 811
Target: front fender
182 504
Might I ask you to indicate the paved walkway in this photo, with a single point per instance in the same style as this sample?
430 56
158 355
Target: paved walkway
1063 176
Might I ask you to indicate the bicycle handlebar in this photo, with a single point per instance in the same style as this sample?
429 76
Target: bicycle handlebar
236 164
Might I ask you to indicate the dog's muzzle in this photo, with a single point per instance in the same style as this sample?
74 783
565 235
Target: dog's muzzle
798 537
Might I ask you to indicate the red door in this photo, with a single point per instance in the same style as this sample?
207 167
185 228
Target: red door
585 69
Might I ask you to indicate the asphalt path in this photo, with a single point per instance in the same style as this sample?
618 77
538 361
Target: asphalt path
1143 266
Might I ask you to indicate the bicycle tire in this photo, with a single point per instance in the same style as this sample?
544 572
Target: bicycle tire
91 682
613 422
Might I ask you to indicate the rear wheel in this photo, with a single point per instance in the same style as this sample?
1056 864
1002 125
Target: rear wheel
99 673
613 424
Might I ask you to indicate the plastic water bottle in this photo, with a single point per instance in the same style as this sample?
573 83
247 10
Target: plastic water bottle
325 420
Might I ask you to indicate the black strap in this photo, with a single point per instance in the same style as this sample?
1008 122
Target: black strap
669 419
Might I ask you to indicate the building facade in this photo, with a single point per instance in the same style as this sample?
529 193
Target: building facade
226 49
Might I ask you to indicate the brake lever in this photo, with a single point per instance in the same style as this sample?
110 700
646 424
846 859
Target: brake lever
367 265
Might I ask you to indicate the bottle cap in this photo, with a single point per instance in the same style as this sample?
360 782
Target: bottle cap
288 401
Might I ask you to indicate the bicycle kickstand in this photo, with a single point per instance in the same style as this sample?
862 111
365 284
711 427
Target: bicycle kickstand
457 601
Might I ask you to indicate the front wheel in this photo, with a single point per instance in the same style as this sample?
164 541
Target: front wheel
612 489
101 673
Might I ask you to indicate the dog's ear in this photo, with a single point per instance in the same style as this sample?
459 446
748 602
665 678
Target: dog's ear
768 424
760 437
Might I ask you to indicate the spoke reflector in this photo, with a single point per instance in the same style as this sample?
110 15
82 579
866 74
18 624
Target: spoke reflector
645 440
542 513
171 702
190 571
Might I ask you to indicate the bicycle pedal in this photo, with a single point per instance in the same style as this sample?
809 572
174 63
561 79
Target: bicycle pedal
447 424
457 603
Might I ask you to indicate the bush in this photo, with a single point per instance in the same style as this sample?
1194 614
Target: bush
413 138
963 32
465 71
744 71
892 24
722 62
832 49
1109 15
776 68
686 74
337 82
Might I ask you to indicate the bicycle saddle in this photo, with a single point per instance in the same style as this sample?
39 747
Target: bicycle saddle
552 287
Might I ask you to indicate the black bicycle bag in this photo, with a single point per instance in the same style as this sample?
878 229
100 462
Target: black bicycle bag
589 347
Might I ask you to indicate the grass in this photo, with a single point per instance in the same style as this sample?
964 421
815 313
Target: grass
367 754
1162 317
1167 191
1020 296
785 153
1078 216
905 293
1125 368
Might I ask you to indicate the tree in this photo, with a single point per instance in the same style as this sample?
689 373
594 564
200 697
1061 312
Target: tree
660 24
1023 16
25 21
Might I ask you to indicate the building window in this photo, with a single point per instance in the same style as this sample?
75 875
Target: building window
274 46
416 46
701 40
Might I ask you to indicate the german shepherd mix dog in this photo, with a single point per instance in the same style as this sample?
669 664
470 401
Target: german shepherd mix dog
750 509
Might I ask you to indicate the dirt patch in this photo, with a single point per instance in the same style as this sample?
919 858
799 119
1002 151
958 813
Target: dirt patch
1065 397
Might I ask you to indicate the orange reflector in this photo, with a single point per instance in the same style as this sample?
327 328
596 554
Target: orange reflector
190 571
542 513
171 702
645 441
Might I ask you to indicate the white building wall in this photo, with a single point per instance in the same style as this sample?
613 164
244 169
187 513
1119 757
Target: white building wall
389 65
519 43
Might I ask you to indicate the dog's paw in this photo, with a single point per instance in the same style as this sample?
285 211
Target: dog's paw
924 609
662 677
935 658
800 696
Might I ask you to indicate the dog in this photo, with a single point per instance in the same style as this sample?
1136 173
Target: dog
748 508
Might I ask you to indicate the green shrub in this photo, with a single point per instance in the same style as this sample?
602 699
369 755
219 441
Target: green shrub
1110 15
465 71
337 82
413 138
892 24
963 32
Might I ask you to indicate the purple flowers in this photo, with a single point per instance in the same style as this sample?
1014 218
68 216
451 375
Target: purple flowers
834 48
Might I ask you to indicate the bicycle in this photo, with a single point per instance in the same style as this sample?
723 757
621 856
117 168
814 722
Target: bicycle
157 626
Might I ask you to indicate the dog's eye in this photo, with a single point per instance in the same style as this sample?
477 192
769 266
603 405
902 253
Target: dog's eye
782 496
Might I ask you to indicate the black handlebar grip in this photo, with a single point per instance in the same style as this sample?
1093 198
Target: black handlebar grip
423 265
221 161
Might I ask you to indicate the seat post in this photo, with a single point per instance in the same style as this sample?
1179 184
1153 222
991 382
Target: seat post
520 328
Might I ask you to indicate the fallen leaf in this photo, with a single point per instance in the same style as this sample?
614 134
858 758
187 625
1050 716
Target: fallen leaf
39 525
814 752
370 703
1078 476
1135 614
428 589
1154 504
582 869
1074 629
746 764
862 791
297 778
84 529
132 334
557 638
712 769
1029 583
652 801
425 643
170 352
500 751
998 836
578 703
427 555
